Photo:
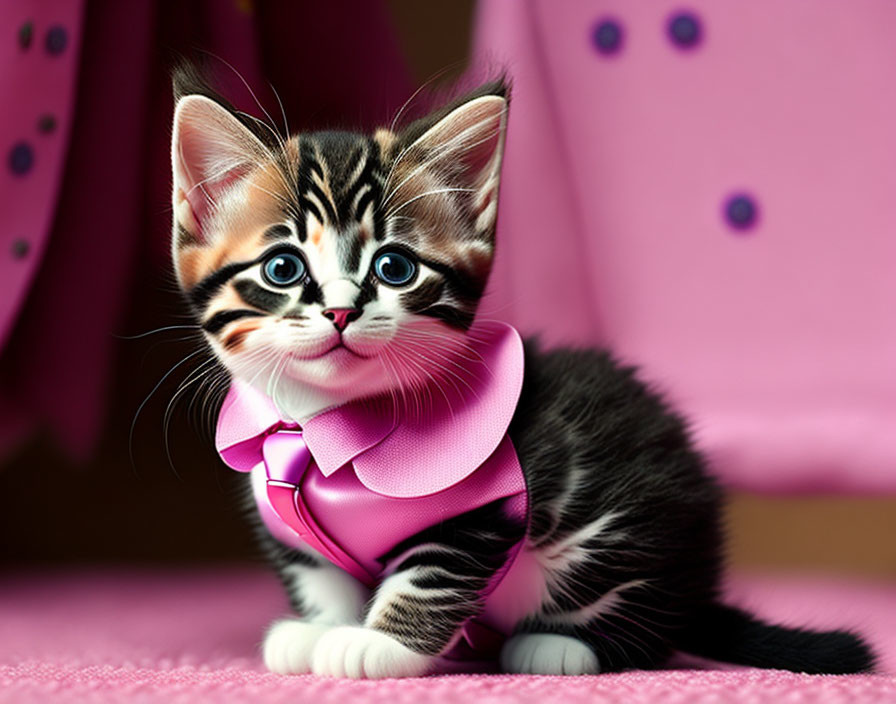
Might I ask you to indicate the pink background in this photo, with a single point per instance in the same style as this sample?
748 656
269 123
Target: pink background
779 342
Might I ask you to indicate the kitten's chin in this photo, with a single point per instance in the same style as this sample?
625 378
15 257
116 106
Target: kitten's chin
340 372
310 386
338 367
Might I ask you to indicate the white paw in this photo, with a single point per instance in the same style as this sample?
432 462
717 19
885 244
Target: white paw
288 645
548 654
351 651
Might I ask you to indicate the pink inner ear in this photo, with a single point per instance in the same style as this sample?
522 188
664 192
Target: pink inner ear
202 197
479 156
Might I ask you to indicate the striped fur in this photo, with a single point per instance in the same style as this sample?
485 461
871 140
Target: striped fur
623 539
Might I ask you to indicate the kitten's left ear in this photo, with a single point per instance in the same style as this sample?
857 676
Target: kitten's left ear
465 143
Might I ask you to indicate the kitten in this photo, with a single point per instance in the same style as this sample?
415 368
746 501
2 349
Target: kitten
322 268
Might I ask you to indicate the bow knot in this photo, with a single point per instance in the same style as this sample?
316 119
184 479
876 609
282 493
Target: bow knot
286 455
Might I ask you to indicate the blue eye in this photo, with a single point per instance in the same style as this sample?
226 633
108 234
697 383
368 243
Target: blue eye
284 269
394 268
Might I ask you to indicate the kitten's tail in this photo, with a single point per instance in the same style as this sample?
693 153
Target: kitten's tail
728 634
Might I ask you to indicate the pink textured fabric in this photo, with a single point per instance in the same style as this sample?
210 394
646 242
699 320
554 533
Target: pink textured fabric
776 337
179 636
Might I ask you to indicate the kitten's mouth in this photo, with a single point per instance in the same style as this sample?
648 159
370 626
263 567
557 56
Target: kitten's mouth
336 350
342 347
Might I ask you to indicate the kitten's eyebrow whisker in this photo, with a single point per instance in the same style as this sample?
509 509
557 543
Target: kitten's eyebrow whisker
438 74
276 196
429 193
282 111
438 153
277 136
248 88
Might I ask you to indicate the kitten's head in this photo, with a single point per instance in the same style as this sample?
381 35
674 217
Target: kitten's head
335 265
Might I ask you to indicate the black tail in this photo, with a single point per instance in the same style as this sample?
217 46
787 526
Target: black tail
730 635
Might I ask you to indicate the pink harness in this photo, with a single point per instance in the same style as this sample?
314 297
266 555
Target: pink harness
357 480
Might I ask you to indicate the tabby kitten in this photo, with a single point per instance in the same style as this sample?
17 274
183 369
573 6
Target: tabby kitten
315 266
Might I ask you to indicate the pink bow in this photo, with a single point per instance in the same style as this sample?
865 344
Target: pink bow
286 458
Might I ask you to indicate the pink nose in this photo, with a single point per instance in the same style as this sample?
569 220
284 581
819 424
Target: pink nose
341 317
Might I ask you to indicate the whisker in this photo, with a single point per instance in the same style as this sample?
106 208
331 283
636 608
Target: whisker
146 400
248 88
157 330
282 111
428 375
455 143
429 81
195 375
419 349
434 192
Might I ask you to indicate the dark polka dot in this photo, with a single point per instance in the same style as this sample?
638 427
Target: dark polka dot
741 211
21 158
607 36
46 124
57 39
20 249
26 34
685 30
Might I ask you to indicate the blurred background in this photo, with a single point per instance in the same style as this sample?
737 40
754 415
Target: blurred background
707 189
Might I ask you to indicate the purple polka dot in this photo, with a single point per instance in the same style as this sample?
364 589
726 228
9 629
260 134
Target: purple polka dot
21 158
26 34
685 30
57 40
607 36
20 249
741 211
46 124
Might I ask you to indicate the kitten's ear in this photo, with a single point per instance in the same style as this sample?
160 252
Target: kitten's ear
211 149
465 142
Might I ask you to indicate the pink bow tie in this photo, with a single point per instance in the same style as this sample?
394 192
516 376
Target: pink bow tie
286 458
286 455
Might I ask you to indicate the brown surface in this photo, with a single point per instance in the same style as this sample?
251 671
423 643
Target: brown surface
829 533
434 35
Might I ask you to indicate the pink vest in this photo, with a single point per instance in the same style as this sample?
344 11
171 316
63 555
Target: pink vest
357 480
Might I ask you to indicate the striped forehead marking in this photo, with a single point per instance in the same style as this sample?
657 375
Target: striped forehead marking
340 179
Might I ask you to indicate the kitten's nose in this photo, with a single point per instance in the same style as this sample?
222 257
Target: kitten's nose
341 317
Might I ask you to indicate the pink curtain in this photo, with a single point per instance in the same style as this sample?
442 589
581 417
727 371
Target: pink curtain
84 203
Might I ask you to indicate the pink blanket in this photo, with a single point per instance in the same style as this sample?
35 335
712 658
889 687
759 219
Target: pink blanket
152 636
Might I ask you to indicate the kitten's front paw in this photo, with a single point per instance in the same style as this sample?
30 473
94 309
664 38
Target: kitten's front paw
288 645
349 651
548 654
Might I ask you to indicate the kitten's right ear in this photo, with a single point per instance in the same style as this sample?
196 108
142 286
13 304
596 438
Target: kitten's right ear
211 149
